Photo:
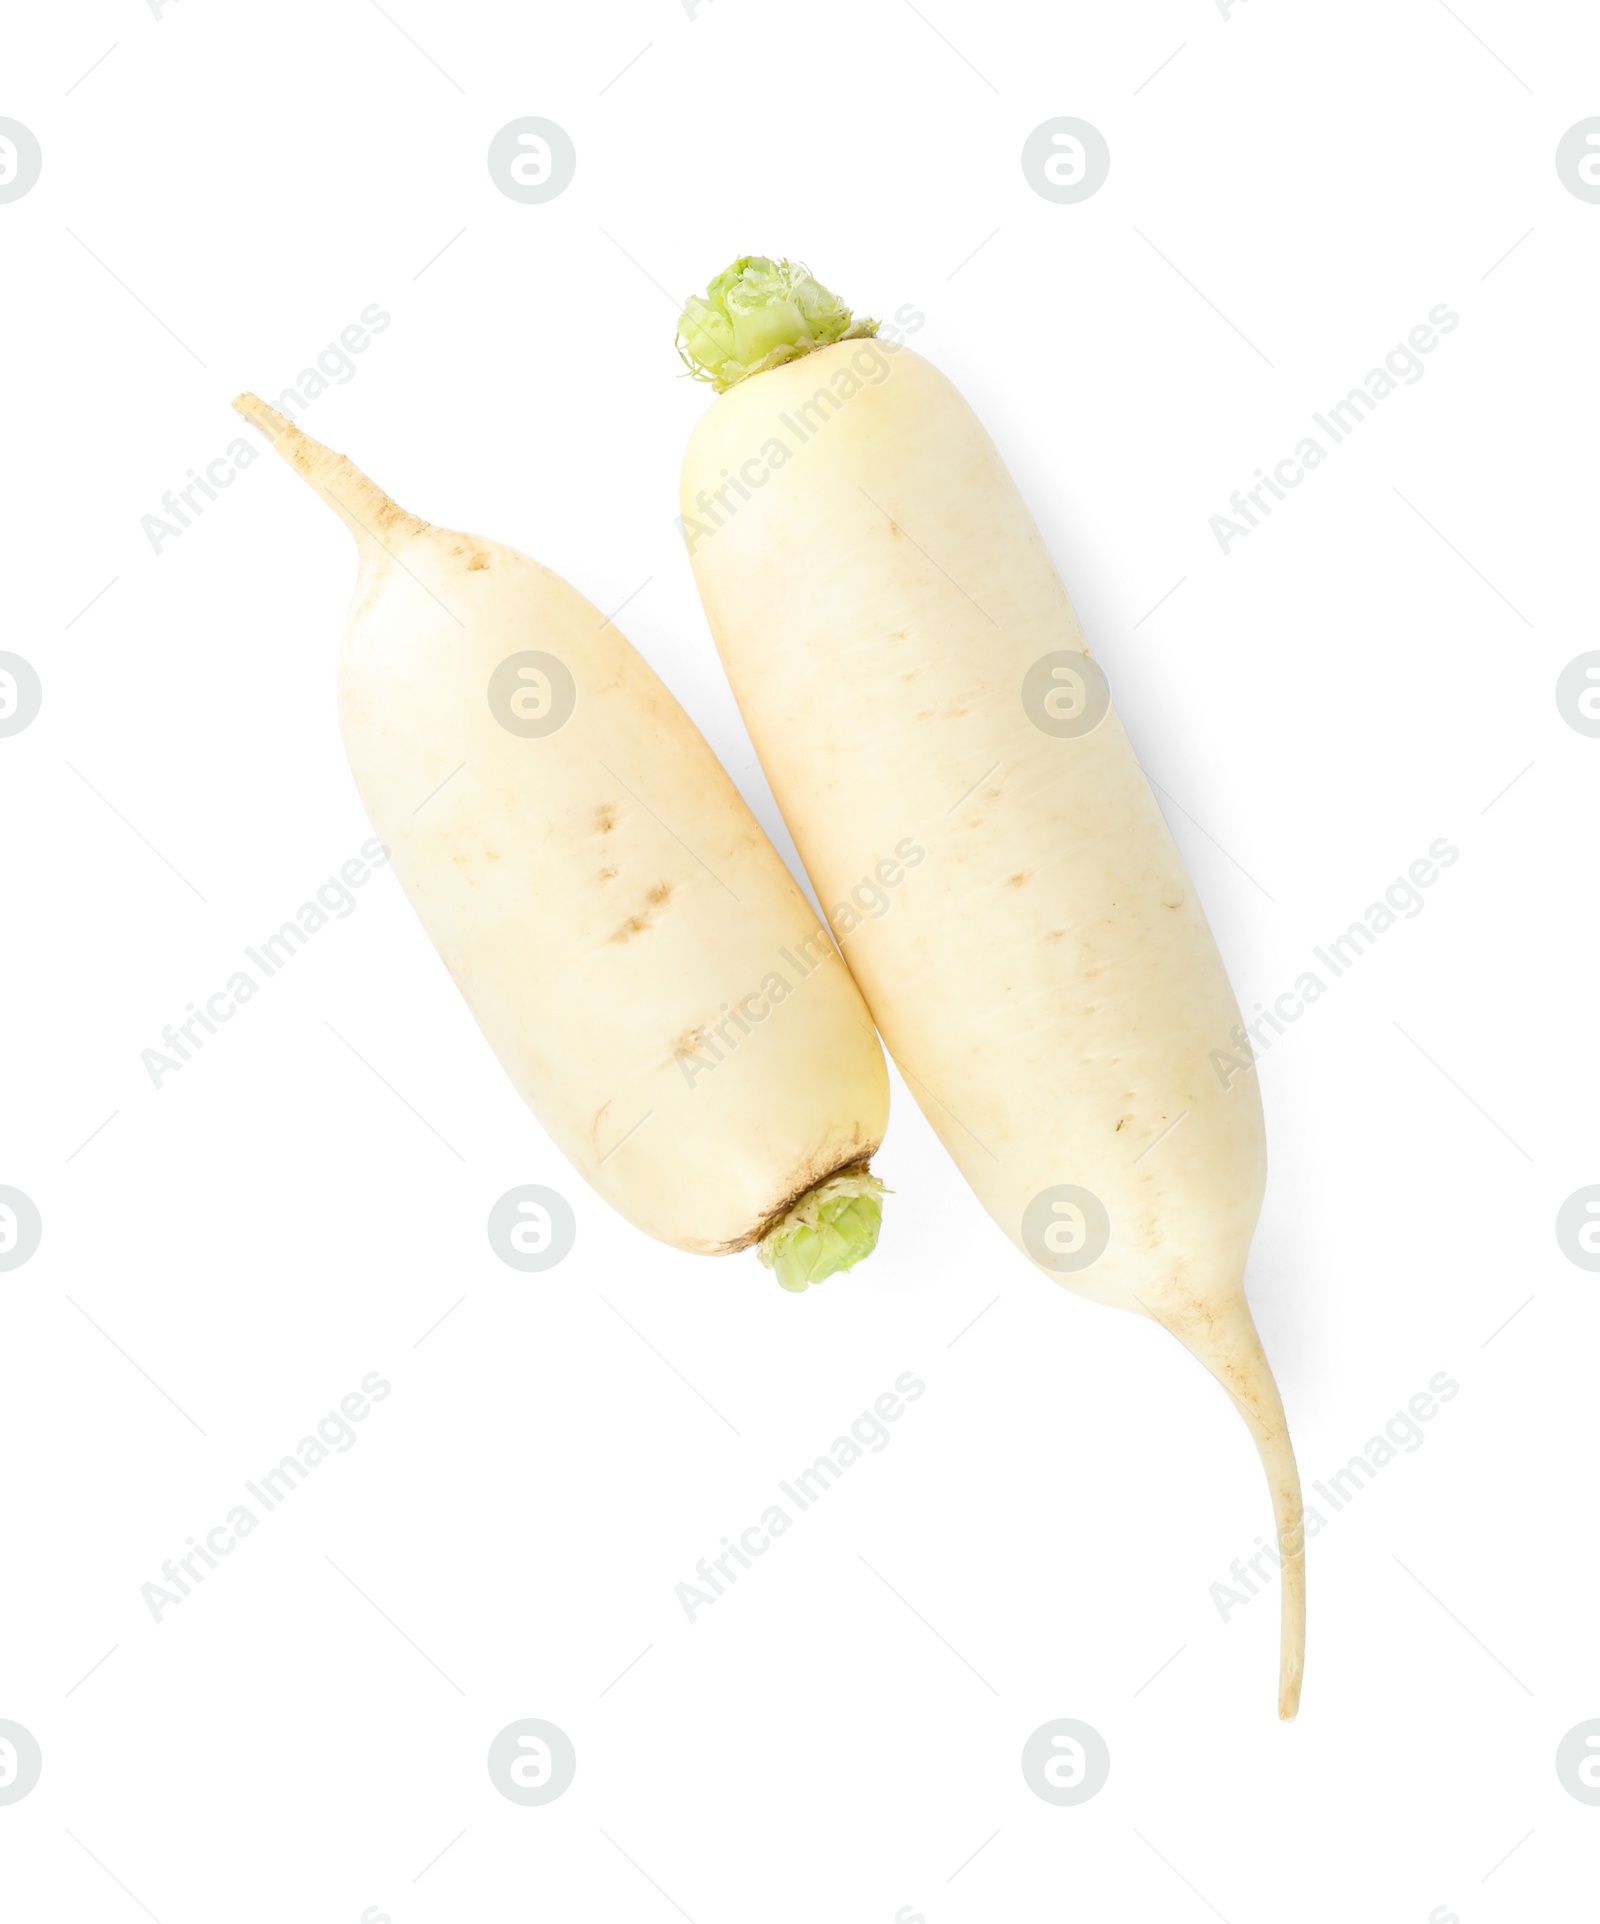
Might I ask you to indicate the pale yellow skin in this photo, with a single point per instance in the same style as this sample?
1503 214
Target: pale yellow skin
599 893
1045 978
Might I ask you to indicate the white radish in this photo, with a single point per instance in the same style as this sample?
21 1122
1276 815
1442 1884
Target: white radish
908 665
639 958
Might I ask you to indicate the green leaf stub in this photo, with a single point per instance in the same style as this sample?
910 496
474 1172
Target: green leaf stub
832 1228
757 314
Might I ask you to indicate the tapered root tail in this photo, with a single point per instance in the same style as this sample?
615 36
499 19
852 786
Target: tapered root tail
1283 1477
1227 1343
361 504
259 415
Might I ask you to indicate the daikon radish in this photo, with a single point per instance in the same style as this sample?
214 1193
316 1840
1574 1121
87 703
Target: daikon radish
639 958
911 672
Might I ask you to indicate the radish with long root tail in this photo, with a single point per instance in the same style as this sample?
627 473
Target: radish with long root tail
908 664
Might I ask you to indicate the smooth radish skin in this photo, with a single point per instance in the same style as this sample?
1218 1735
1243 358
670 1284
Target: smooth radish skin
639 958
886 612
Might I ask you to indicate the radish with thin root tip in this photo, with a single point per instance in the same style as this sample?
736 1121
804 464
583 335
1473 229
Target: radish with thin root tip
631 944
908 665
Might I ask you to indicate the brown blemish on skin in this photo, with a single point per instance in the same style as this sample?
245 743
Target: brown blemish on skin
1016 881
1122 1125
605 818
491 855
608 875
658 897
479 560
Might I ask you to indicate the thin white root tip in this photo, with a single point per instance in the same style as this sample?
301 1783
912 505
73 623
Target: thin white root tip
1227 1343
259 415
1292 1646
361 504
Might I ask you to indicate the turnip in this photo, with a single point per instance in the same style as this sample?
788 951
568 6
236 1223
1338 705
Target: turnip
908 665
638 956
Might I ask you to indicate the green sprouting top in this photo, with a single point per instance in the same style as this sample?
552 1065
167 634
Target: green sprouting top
758 314
830 1229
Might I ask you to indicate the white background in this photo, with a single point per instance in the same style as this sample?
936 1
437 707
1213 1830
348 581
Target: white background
1366 672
